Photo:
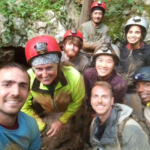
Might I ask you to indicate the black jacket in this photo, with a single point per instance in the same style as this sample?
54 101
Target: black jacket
130 61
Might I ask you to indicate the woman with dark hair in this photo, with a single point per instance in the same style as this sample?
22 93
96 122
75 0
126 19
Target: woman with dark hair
134 53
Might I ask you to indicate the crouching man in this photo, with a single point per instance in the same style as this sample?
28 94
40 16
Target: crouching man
109 130
18 131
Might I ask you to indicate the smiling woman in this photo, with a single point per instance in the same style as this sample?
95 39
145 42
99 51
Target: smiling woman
55 87
134 36
46 73
134 54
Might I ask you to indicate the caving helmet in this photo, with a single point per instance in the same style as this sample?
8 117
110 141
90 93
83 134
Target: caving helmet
98 4
41 46
106 48
142 74
73 32
137 20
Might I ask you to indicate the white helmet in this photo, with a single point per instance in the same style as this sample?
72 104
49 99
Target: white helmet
107 48
137 20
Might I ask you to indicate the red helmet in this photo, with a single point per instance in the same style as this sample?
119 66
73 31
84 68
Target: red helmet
41 45
99 4
76 33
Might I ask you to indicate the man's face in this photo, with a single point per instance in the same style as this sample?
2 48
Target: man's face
97 16
143 90
46 73
14 90
71 49
101 100
104 65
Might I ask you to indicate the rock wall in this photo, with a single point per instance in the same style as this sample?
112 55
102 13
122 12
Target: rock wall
25 28
56 24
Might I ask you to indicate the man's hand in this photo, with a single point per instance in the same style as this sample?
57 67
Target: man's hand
55 128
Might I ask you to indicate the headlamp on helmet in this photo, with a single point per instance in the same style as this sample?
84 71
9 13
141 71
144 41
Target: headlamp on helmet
141 76
106 48
41 48
139 21
136 19
99 2
40 45
73 31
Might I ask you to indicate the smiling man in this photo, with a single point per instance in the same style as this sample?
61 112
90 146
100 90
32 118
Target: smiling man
17 130
106 57
142 83
113 128
94 31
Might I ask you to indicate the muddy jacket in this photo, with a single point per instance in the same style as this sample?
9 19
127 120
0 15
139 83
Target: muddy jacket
80 63
130 61
92 37
133 137
66 97
118 84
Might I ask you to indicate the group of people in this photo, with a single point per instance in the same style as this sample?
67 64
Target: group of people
88 76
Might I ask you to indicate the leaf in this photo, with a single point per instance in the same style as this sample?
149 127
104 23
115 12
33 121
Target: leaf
21 4
130 1
23 13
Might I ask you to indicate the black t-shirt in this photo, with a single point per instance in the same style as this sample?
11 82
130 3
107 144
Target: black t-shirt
100 130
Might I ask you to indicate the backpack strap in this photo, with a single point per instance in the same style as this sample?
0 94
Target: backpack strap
143 124
140 121
120 129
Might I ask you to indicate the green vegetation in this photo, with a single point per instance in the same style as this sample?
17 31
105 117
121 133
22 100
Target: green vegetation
118 12
78 8
32 9
29 8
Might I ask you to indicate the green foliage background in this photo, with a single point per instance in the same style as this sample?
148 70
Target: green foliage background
29 8
118 12
32 9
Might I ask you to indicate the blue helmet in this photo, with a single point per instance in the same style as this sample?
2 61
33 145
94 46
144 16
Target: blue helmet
142 74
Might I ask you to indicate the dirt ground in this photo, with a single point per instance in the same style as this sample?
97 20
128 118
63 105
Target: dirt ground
67 139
